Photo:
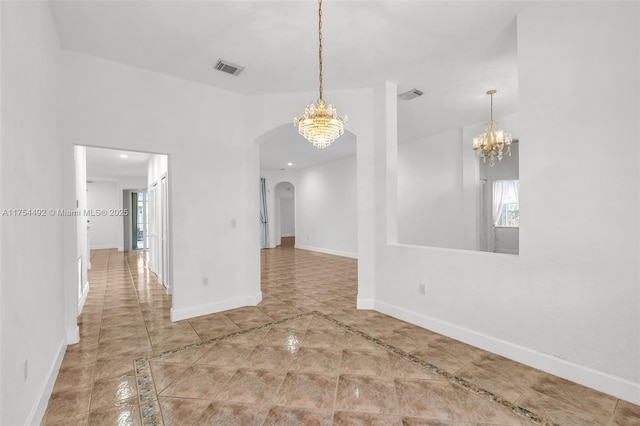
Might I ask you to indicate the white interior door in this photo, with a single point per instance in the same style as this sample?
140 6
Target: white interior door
153 229
164 232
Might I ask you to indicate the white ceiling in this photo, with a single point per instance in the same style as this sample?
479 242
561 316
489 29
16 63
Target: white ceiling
454 51
107 163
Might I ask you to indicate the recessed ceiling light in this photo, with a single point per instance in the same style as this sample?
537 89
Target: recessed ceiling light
124 156
289 164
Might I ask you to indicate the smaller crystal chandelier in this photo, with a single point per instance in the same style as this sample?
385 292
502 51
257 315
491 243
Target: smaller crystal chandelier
492 143
320 124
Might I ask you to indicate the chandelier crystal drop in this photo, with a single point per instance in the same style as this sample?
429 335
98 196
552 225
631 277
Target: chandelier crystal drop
320 124
493 143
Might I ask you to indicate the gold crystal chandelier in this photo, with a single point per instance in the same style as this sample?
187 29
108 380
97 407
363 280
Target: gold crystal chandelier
320 124
492 143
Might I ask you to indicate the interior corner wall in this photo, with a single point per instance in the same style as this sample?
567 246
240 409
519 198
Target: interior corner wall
34 293
111 105
569 303
326 208
288 216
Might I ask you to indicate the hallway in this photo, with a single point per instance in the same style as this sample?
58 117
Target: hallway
304 355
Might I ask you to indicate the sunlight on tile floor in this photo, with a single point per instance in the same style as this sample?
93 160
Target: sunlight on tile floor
303 356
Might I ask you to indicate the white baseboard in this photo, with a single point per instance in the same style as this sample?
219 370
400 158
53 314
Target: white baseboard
365 303
83 299
507 251
328 251
257 298
103 246
212 308
40 406
586 376
73 335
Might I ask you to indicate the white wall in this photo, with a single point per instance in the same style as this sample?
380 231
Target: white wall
592 260
287 217
103 196
326 208
284 211
430 191
115 106
33 293
569 303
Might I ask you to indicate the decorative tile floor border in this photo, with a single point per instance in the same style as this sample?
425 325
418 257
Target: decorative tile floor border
523 412
148 397
150 407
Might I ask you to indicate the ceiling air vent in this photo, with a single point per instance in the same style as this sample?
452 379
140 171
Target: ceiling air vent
411 94
228 67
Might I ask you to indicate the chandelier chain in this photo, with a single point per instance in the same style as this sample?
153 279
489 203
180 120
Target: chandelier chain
320 42
320 124
491 107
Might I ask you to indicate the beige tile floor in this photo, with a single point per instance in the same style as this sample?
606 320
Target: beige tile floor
327 365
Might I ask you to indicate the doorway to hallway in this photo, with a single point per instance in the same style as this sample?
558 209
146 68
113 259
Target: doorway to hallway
139 220
115 211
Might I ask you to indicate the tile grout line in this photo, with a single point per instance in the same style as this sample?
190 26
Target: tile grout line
135 291
155 416
95 362
335 393
144 368
522 412
151 414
